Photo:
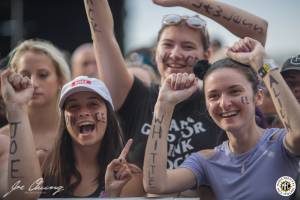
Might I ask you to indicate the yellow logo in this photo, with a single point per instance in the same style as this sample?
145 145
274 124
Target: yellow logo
285 186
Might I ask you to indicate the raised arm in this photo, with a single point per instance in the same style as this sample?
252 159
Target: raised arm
251 52
109 58
24 168
157 179
240 22
4 150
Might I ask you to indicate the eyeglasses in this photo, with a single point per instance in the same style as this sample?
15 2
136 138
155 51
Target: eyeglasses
192 21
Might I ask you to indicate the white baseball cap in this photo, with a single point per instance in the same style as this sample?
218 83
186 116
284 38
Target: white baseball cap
81 84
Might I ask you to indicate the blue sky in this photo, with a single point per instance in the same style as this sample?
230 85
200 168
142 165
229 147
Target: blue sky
144 20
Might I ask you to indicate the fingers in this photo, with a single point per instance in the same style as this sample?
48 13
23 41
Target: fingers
25 83
17 81
247 51
134 169
126 149
181 81
123 173
243 45
119 170
4 76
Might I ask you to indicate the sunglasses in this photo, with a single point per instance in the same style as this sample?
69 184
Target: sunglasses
192 21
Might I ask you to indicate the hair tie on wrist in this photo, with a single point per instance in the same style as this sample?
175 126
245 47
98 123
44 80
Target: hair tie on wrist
200 68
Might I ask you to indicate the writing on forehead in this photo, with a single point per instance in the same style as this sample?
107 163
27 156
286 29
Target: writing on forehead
296 60
81 82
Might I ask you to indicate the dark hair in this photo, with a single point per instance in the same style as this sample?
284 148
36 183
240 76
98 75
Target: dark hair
251 76
246 70
204 36
59 166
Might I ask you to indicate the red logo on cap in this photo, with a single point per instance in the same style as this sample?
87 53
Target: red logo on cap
81 82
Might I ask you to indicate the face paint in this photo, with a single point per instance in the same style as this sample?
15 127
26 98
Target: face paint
190 60
67 119
70 119
244 100
100 117
73 120
165 57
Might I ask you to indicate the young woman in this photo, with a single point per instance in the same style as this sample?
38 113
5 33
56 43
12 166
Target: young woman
254 162
89 141
46 67
182 41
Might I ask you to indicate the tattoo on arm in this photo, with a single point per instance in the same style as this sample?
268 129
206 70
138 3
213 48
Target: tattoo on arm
13 150
90 14
217 11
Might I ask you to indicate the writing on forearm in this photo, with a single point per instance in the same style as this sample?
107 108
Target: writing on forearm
217 11
91 13
273 85
13 150
156 136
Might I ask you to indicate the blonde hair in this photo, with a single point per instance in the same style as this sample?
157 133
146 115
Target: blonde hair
47 48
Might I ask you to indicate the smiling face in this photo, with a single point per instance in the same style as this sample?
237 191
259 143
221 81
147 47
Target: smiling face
230 99
42 72
178 48
86 118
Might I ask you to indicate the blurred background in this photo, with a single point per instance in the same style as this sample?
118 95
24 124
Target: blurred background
136 23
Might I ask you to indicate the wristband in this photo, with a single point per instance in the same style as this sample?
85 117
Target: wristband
268 65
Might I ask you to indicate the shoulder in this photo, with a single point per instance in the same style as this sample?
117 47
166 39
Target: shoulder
207 153
274 134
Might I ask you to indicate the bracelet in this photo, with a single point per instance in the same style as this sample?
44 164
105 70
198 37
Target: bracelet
268 65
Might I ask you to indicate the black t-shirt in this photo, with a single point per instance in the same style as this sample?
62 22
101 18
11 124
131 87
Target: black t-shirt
191 128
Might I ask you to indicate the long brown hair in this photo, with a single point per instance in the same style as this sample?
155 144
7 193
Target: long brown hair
59 166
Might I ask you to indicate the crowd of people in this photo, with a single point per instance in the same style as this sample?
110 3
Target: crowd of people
211 126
